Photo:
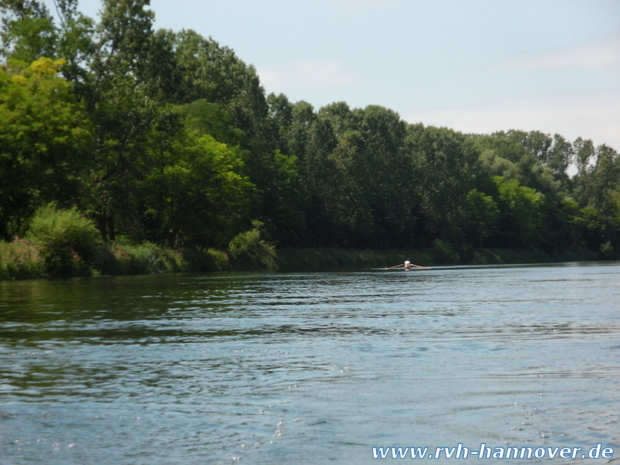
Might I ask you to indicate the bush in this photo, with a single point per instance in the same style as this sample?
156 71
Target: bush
67 241
202 261
20 259
248 251
607 251
126 258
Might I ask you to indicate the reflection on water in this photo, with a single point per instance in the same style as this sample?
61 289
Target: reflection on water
308 368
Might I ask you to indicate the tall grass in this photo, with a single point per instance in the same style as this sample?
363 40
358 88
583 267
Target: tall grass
147 258
21 259
124 258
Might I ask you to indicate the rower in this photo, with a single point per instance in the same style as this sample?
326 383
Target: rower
408 266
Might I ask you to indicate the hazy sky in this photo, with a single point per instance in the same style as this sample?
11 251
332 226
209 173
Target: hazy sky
471 65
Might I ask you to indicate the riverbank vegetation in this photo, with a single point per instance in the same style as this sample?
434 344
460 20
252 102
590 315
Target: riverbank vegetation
126 149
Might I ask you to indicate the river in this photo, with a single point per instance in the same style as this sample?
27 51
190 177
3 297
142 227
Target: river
310 368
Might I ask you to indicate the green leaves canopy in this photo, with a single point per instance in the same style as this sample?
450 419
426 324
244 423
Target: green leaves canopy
44 141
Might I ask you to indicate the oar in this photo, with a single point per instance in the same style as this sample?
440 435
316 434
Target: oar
423 267
412 264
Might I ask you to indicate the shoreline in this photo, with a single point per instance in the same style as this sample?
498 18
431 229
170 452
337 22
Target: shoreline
290 259
148 259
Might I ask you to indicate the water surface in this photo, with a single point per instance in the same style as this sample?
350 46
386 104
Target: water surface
308 368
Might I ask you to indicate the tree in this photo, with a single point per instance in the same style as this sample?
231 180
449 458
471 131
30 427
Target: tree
281 119
446 167
384 172
75 44
318 143
521 156
121 105
197 196
28 32
44 137
204 117
597 189
344 195
559 157
303 118
584 153
482 216
521 216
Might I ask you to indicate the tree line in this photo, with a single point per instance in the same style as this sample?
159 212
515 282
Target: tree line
168 137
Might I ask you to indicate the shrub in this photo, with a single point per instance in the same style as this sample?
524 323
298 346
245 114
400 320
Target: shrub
20 259
154 259
67 241
126 258
206 260
607 251
248 251
218 260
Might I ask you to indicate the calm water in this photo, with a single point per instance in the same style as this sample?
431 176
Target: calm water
309 368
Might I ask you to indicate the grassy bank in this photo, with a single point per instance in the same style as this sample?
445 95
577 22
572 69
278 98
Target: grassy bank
22 259
330 259
62 243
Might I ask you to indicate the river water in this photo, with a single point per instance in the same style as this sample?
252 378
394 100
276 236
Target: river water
309 368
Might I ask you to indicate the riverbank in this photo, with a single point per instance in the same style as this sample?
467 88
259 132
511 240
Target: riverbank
331 259
22 259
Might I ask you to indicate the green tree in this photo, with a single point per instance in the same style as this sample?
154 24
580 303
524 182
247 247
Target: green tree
559 157
521 156
343 193
446 168
385 172
482 216
597 189
584 153
521 214
281 120
315 168
198 196
121 105
302 120
27 32
44 139
203 117
75 44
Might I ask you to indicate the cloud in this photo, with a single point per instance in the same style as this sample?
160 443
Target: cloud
306 74
595 117
601 55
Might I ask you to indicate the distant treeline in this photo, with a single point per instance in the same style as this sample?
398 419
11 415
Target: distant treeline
168 138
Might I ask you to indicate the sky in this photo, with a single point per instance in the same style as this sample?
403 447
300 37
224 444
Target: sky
476 66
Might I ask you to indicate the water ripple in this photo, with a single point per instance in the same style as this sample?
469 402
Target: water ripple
307 367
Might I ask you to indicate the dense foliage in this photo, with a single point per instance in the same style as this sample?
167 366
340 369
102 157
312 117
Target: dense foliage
168 137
